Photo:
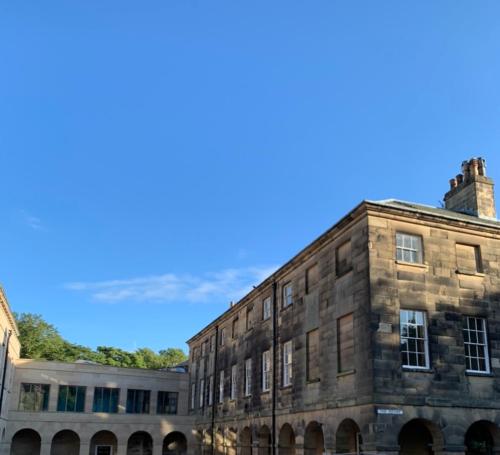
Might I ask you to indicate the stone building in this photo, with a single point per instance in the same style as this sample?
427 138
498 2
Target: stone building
381 336
56 408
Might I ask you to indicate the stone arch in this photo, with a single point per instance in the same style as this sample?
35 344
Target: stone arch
65 442
246 441
26 442
286 441
314 442
140 443
420 437
103 438
175 443
231 441
348 437
482 438
264 438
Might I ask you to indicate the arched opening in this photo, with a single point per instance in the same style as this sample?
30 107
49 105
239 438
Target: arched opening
175 443
348 437
246 441
140 443
480 438
286 441
314 443
231 441
264 440
66 442
103 443
219 442
26 442
419 437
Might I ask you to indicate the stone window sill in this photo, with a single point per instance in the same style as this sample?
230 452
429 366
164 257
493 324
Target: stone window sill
346 373
343 273
476 274
416 265
286 387
479 374
417 370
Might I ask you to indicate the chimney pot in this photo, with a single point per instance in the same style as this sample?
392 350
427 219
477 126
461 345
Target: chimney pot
474 167
482 167
472 193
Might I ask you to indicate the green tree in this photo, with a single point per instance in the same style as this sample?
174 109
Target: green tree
41 340
172 356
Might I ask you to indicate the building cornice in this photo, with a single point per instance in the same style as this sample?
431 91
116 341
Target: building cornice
8 312
346 222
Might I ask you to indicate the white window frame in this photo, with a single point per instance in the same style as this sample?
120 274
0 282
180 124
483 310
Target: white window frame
234 378
266 371
221 386
106 446
287 294
201 401
193 395
210 390
266 308
287 363
425 339
471 344
248 377
415 247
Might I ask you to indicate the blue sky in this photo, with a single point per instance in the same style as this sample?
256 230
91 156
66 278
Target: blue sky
160 157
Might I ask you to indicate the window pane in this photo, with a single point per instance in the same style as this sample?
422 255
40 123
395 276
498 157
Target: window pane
413 339
475 345
409 248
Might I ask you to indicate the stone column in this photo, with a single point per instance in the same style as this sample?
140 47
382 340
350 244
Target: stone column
45 448
84 449
121 449
157 449
451 449
299 449
5 448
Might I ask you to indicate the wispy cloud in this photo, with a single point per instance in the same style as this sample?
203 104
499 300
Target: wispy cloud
32 221
225 285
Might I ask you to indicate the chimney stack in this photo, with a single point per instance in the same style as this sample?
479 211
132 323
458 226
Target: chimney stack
472 192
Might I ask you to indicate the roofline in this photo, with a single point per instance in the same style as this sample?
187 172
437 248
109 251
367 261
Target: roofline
444 214
351 216
8 311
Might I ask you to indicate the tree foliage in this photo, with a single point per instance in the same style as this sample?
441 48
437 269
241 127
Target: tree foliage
41 340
